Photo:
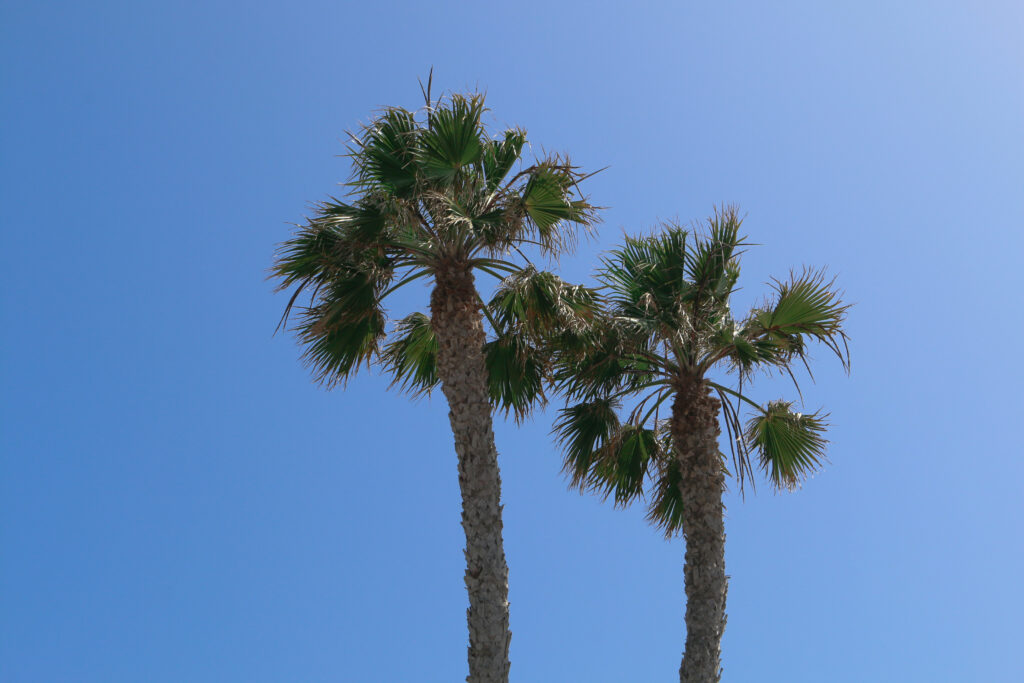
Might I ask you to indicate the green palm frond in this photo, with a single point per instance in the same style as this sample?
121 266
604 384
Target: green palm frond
499 156
500 229
647 276
604 455
337 236
549 206
354 292
337 344
342 327
598 361
362 230
451 139
308 257
791 444
713 270
384 157
807 306
411 356
516 374
745 353
622 464
582 430
676 280
665 499
463 211
545 197
540 303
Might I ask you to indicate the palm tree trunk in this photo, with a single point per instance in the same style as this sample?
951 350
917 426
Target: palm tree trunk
695 433
457 322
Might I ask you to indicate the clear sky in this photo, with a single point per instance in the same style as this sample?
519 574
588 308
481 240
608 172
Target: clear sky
178 502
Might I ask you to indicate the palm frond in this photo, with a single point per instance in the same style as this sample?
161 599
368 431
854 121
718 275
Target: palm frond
499 230
361 222
744 352
581 430
807 306
665 498
622 464
499 156
738 445
338 236
541 303
310 256
451 139
411 356
344 322
384 157
604 455
516 373
337 344
600 360
790 444
712 266
550 209
647 278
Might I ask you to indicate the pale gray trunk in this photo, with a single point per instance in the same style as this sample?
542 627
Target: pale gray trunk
695 432
457 322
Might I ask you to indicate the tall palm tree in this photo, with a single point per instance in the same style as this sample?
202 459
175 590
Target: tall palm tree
667 331
433 196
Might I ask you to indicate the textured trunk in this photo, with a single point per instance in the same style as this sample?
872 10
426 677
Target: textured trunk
695 432
460 365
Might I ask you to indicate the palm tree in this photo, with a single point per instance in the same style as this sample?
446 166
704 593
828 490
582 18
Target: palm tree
667 327
433 196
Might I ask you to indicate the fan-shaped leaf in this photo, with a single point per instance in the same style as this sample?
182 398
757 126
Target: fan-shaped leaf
500 156
621 465
581 431
452 138
713 270
385 157
791 444
412 355
336 345
665 500
516 374
540 303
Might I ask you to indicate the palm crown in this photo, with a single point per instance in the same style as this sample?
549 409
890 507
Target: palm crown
667 325
432 193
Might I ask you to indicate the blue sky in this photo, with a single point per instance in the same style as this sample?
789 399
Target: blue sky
178 502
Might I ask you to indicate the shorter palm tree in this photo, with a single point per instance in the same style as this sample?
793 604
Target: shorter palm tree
667 326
